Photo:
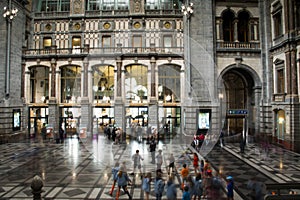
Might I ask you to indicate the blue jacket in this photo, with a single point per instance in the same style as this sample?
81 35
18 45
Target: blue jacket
123 179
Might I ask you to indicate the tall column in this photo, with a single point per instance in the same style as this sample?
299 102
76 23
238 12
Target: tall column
86 110
119 104
52 78
153 107
291 70
235 34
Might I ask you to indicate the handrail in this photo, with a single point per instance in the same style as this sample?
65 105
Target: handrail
282 186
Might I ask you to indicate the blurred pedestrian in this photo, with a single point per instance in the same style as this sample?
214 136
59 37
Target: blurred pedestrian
196 162
198 187
114 172
184 174
146 185
171 166
122 180
171 191
159 160
152 148
136 158
186 194
229 187
159 186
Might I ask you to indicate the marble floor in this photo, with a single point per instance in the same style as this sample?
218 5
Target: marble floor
81 169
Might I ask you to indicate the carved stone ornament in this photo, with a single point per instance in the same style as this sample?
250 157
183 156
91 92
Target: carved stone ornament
77 6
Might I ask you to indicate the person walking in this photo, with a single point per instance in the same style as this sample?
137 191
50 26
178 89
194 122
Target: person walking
136 158
159 160
198 187
146 185
114 172
122 180
152 147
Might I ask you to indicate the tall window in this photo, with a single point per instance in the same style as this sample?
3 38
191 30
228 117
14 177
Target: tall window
243 27
169 83
280 81
136 88
122 4
137 43
103 83
108 4
53 5
163 4
70 84
277 19
228 26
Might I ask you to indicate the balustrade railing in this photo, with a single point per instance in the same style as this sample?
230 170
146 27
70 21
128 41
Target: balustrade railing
99 50
238 45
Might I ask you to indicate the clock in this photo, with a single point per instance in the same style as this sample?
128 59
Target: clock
167 25
77 26
48 27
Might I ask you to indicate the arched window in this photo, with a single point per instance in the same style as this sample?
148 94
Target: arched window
228 26
136 89
103 83
243 26
39 84
70 84
169 83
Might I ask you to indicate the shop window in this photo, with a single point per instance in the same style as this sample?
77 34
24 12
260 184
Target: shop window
228 26
243 27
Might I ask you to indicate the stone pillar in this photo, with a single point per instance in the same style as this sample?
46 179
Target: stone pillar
153 106
235 34
52 78
85 77
119 104
53 117
119 78
86 115
291 70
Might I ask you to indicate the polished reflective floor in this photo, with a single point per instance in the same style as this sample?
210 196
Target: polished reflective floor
81 169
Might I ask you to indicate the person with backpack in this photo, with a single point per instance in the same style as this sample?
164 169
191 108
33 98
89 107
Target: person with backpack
114 172
159 186
171 191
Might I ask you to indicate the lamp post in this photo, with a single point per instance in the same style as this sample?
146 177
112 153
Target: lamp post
187 9
9 14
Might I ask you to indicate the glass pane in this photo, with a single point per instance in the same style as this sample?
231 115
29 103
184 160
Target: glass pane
47 42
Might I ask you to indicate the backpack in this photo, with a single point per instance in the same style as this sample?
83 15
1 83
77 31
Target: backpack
159 186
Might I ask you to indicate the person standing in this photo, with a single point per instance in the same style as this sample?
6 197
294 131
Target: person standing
159 160
229 187
136 158
196 162
152 148
122 180
171 164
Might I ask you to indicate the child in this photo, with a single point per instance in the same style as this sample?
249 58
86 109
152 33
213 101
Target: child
186 195
146 185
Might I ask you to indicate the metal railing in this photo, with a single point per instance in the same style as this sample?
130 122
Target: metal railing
281 191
